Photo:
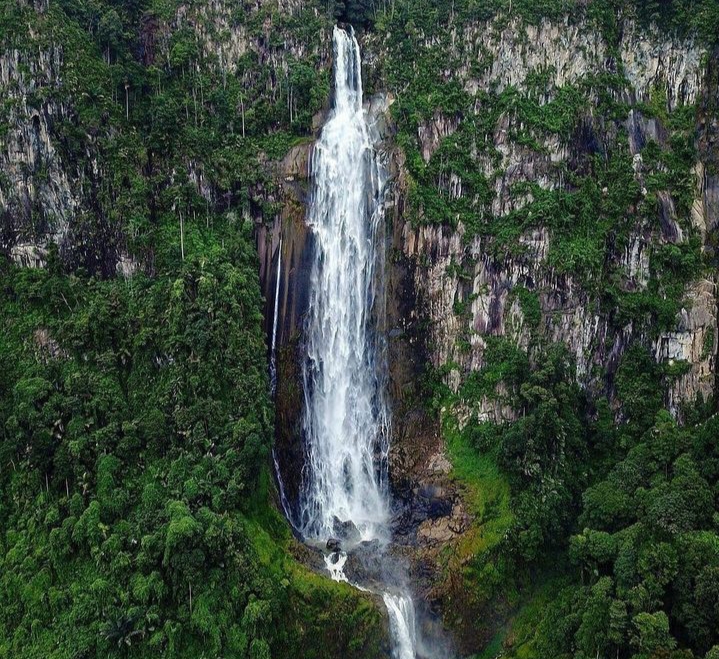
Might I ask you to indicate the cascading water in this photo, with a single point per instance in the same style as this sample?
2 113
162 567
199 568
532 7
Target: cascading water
273 374
345 415
346 420
402 624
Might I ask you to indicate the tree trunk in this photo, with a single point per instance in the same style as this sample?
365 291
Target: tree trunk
182 237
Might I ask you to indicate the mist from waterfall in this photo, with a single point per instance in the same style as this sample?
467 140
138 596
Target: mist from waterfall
346 420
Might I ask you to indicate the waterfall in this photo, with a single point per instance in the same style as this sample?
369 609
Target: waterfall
273 347
345 421
402 624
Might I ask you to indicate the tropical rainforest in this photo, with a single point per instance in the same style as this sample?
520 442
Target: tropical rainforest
143 143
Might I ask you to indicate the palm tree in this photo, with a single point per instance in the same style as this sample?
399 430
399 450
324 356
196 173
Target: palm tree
121 630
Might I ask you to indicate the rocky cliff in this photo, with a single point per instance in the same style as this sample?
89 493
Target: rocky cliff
96 153
466 284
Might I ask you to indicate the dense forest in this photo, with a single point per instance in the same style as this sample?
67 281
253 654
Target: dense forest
138 513
135 505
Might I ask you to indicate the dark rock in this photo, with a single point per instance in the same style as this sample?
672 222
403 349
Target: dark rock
439 508
345 530
366 566
434 502
370 545
335 557
671 231
430 491
333 544
402 524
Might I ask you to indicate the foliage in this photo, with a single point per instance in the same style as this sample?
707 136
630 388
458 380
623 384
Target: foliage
134 483
623 511
160 129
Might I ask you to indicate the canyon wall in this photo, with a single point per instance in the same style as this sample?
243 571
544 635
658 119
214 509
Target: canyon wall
466 285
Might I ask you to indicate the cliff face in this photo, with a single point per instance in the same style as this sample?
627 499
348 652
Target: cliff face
58 190
286 242
454 269
502 262
546 112
464 281
145 140
40 192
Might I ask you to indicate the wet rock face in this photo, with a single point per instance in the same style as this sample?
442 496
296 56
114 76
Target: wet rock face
286 241
346 531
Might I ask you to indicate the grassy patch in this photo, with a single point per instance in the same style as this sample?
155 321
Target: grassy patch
486 490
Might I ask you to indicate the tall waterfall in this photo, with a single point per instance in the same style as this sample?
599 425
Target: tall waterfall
346 420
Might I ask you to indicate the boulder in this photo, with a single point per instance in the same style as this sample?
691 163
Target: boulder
345 531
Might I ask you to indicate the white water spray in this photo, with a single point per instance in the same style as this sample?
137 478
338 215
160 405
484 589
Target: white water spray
346 420
345 414
402 624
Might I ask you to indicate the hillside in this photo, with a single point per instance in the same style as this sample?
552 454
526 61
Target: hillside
549 305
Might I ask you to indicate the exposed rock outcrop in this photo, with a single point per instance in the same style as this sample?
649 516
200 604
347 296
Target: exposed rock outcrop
38 198
451 268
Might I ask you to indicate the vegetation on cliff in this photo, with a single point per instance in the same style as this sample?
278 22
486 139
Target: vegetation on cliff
135 426
608 542
136 514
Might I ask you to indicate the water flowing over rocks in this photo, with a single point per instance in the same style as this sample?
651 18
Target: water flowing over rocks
341 499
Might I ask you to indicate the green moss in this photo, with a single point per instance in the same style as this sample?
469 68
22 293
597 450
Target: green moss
332 619
487 489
